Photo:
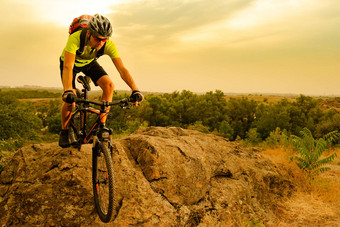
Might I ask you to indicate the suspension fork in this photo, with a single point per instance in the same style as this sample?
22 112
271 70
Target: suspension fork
104 135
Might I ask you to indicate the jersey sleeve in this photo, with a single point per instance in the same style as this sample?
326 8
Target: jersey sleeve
73 43
111 50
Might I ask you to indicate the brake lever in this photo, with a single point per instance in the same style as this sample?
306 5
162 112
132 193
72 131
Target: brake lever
126 107
125 104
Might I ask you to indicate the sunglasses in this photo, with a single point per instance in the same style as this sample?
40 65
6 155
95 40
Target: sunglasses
99 39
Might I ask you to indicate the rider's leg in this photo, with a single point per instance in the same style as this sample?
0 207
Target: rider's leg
65 135
66 111
106 84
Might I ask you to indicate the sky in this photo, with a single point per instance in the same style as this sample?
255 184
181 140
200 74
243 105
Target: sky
236 46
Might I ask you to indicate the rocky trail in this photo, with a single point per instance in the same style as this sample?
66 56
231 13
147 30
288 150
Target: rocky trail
165 177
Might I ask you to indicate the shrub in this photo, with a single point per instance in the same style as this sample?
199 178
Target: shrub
10 145
18 119
310 151
278 138
226 130
198 126
253 137
54 123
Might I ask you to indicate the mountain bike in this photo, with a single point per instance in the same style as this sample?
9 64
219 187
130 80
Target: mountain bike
103 179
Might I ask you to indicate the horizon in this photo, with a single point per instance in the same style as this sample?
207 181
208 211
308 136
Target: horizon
163 92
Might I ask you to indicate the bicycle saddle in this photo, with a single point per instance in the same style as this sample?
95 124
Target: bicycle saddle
85 81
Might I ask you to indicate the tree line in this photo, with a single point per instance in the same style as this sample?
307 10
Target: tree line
234 118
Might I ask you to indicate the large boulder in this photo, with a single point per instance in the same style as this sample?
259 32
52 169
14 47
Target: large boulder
164 176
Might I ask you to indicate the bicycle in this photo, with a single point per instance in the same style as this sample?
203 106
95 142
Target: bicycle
103 180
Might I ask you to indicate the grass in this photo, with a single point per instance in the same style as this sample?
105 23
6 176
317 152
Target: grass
325 186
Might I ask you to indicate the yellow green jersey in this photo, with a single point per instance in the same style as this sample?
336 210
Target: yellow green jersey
88 54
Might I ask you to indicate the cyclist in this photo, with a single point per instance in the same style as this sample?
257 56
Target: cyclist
96 37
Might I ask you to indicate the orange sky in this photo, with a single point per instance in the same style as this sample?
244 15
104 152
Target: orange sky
248 46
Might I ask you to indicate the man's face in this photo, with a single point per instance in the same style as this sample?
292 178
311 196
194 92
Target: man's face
96 42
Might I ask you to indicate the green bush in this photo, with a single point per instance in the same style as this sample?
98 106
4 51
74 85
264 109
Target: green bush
252 137
226 130
330 122
310 151
10 145
18 119
54 123
198 126
278 138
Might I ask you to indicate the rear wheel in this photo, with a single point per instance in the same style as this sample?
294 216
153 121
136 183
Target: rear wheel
103 181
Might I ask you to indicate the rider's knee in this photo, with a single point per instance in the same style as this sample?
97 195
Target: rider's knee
108 86
69 105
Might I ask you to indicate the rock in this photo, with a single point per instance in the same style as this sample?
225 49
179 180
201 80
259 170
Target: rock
164 176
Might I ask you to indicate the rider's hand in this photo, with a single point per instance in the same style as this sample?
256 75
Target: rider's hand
136 97
68 96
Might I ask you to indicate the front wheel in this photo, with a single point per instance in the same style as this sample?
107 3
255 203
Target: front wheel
103 181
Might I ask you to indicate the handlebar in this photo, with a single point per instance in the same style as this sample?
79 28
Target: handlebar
122 102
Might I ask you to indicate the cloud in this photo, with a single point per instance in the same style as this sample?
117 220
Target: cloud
162 22
177 27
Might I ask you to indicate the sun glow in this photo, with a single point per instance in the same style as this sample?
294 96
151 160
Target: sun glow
61 12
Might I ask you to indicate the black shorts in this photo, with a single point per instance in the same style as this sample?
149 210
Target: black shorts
93 70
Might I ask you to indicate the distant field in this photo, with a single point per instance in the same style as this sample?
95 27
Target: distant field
46 94
263 98
29 93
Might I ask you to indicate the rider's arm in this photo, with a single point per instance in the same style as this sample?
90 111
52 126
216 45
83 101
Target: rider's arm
69 60
124 73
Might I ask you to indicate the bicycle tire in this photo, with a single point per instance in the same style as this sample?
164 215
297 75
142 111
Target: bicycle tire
103 181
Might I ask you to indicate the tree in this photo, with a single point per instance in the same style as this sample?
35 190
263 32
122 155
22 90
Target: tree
225 130
211 109
330 122
270 117
241 113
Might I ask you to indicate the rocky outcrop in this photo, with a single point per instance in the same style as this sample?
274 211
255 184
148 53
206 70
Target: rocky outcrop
165 177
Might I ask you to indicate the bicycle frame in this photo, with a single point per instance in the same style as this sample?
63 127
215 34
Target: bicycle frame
99 122
83 108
